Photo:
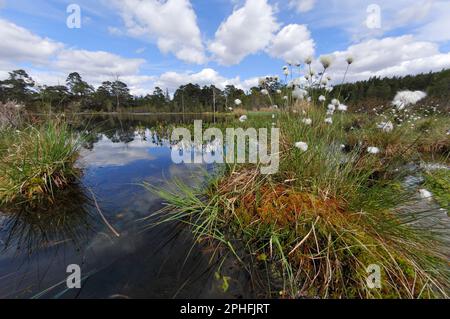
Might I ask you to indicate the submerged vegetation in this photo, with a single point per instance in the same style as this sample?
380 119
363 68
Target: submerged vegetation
333 211
36 159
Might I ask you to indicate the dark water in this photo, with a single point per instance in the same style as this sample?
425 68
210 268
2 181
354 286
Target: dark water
37 245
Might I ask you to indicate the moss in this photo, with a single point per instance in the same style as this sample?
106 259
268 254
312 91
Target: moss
438 182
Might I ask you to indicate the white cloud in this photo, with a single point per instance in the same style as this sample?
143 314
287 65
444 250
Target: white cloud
140 50
293 43
247 30
51 61
437 29
302 5
172 23
139 84
115 31
351 16
390 56
96 63
173 80
20 45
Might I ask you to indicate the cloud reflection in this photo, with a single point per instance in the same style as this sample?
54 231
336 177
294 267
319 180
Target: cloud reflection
106 153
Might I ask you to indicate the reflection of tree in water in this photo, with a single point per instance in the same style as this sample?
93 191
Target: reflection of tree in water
31 229
123 128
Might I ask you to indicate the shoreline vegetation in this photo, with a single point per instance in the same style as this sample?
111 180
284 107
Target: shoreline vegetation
337 208
312 230
37 157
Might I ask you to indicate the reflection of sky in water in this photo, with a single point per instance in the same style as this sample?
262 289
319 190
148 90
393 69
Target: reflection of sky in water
112 170
118 154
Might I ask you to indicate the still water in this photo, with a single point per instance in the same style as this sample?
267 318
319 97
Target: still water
160 262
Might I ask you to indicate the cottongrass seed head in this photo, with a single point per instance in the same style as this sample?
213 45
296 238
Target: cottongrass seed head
405 98
325 61
302 146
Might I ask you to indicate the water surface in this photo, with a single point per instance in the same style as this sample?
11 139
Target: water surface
161 262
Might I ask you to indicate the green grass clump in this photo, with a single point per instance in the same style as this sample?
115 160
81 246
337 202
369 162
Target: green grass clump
438 182
433 136
314 228
296 244
36 160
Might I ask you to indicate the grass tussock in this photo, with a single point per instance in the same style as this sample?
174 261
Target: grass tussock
307 245
329 214
434 136
36 160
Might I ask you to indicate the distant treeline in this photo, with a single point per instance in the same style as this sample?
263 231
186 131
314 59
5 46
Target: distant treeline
114 96
435 84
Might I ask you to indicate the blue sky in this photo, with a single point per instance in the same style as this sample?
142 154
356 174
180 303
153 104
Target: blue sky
150 43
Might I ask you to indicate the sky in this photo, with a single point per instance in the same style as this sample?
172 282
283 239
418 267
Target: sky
168 43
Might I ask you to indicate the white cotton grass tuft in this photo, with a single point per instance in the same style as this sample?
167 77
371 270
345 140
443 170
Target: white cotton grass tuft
386 126
373 150
264 92
243 118
406 98
279 92
335 102
342 108
349 60
302 146
308 60
325 61
261 81
331 107
307 121
299 94
322 98
329 120
425 194
237 102
230 109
